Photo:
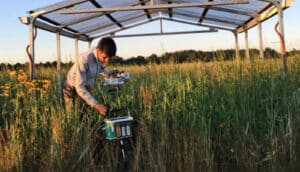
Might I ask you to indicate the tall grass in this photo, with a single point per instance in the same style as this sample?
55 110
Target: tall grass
190 117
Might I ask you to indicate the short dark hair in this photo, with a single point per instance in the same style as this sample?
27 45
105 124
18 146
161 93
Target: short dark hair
108 46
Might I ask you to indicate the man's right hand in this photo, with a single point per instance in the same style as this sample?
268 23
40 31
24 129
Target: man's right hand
101 109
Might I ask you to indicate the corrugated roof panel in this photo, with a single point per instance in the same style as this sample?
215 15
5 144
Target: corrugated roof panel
133 21
225 16
191 19
103 31
91 23
236 18
220 24
253 7
41 8
192 10
62 18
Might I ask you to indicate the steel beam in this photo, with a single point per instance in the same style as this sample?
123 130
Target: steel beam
161 6
164 33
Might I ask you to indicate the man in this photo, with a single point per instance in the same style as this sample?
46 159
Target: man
84 73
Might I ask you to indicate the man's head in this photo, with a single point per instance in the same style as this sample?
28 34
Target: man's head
106 49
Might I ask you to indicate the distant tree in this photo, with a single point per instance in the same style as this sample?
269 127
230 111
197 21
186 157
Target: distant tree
271 53
116 60
54 64
18 66
294 52
153 58
140 60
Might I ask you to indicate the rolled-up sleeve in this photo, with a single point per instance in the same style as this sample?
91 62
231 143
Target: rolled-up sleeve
80 86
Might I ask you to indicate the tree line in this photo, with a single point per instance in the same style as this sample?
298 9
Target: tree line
174 57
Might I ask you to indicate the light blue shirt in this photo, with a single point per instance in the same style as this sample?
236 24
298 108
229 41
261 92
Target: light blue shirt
83 73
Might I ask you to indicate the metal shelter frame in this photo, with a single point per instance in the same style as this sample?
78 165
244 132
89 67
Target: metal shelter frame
86 20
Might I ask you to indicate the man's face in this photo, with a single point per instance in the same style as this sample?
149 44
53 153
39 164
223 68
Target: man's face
102 57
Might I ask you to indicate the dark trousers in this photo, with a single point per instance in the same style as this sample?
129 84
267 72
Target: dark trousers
74 102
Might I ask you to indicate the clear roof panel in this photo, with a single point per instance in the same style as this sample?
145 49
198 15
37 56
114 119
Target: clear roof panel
89 24
186 18
104 31
133 21
62 19
253 6
224 16
192 10
219 24
235 18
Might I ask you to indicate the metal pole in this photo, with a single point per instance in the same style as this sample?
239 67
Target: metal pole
161 26
281 29
260 41
58 65
237 54
31 44
247 47
90 44
153 2
76 48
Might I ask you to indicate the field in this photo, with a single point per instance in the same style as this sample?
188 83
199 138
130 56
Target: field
214 116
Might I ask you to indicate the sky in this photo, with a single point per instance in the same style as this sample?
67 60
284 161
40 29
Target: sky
14 36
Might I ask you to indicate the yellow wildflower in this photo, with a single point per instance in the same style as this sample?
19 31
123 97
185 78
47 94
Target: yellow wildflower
5 94
12 73
20 94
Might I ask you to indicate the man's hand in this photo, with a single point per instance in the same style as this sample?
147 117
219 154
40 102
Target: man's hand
101 109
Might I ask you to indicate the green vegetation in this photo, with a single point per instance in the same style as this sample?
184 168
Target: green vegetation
190 117
182 56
